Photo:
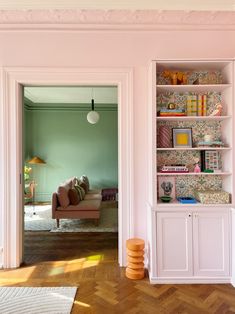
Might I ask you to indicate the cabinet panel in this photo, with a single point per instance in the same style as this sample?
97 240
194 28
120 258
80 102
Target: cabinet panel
211 244
174 244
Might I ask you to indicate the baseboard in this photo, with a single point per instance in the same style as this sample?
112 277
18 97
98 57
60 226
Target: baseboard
190 280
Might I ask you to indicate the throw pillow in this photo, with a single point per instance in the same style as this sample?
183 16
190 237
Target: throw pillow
63 197
86 181
84 186
73 197
80 191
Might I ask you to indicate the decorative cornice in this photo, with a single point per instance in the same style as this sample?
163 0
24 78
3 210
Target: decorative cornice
116 20
31 106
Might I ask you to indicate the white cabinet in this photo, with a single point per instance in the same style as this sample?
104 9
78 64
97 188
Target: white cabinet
174 244
211 244
192 244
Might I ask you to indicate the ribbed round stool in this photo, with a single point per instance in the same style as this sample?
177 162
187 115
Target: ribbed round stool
135 258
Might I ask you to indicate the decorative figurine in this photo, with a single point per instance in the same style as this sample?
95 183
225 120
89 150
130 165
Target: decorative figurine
176 77
217 111
197 168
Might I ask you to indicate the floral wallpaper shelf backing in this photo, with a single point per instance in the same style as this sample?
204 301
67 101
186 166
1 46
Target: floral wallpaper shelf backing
199 129
186 185
180 99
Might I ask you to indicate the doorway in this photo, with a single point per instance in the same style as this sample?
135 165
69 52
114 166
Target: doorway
62 144
11 144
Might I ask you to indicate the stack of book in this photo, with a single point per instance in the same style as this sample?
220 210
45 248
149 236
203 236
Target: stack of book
174 169
197 105
164 112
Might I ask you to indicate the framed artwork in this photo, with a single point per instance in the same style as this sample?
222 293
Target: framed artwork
182 137
166 186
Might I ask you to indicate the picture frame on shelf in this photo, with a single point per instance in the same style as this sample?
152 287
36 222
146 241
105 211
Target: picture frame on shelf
166 187
182 137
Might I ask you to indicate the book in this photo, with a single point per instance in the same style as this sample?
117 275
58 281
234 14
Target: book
204 105
199 105
191 105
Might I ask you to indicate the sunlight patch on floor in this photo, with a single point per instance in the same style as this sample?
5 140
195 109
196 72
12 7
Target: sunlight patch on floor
81 304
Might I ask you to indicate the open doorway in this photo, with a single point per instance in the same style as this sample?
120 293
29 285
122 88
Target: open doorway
63 150
11 144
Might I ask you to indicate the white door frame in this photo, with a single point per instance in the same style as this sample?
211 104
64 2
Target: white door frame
11 199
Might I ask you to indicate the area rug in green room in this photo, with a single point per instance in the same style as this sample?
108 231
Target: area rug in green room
42 221
36 300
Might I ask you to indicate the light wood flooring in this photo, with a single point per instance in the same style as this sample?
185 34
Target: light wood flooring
90 261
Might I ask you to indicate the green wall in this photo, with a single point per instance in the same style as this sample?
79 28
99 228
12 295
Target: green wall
71 147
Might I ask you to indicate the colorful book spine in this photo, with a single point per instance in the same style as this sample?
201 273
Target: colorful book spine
192 105
199 105
173 114
204 105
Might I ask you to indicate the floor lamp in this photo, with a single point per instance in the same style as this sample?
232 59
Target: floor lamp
35 161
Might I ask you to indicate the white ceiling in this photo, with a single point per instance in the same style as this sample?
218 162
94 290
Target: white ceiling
72 95
119 4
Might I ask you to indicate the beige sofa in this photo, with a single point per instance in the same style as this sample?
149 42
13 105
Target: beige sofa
64 206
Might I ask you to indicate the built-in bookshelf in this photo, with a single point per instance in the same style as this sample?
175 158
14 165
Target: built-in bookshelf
191 144
209 79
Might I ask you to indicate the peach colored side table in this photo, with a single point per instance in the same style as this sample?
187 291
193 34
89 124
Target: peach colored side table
135 258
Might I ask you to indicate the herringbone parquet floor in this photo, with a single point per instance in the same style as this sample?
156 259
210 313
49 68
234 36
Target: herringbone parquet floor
90 260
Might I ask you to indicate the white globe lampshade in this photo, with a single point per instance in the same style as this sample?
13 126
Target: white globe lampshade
93 117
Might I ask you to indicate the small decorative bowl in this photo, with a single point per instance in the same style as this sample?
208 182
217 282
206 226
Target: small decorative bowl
165 199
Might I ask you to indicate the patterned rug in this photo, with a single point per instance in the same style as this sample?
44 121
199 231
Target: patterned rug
37 300
38 218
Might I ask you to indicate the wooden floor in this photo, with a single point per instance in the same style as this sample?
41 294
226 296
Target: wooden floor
90 261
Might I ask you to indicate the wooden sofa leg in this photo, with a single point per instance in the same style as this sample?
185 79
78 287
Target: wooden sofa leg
58 223
96 222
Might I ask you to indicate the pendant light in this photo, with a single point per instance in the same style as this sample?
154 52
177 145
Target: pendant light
93 116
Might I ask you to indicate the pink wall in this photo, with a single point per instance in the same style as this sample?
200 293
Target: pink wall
117 48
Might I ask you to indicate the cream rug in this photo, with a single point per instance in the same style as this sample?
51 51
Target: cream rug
42 221
36 300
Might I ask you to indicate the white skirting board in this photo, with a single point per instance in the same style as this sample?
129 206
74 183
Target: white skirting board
189 280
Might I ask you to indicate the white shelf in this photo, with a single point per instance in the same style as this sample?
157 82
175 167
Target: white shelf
178 204
192 148
193 88
194 118
195 174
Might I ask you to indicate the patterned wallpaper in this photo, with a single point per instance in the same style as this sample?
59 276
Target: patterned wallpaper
194 77
199 128
180 99
185 185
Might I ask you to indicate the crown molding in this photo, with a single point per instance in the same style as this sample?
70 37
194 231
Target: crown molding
116 20
33 106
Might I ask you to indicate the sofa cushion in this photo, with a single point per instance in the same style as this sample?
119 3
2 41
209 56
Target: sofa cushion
91 196
80 191
68 182
85 179
84 186
62 194
74 198
87 205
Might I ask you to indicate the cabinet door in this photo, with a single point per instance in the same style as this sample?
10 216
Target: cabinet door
174 244
211 244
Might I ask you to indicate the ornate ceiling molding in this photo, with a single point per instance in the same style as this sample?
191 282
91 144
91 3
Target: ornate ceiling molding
116 20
